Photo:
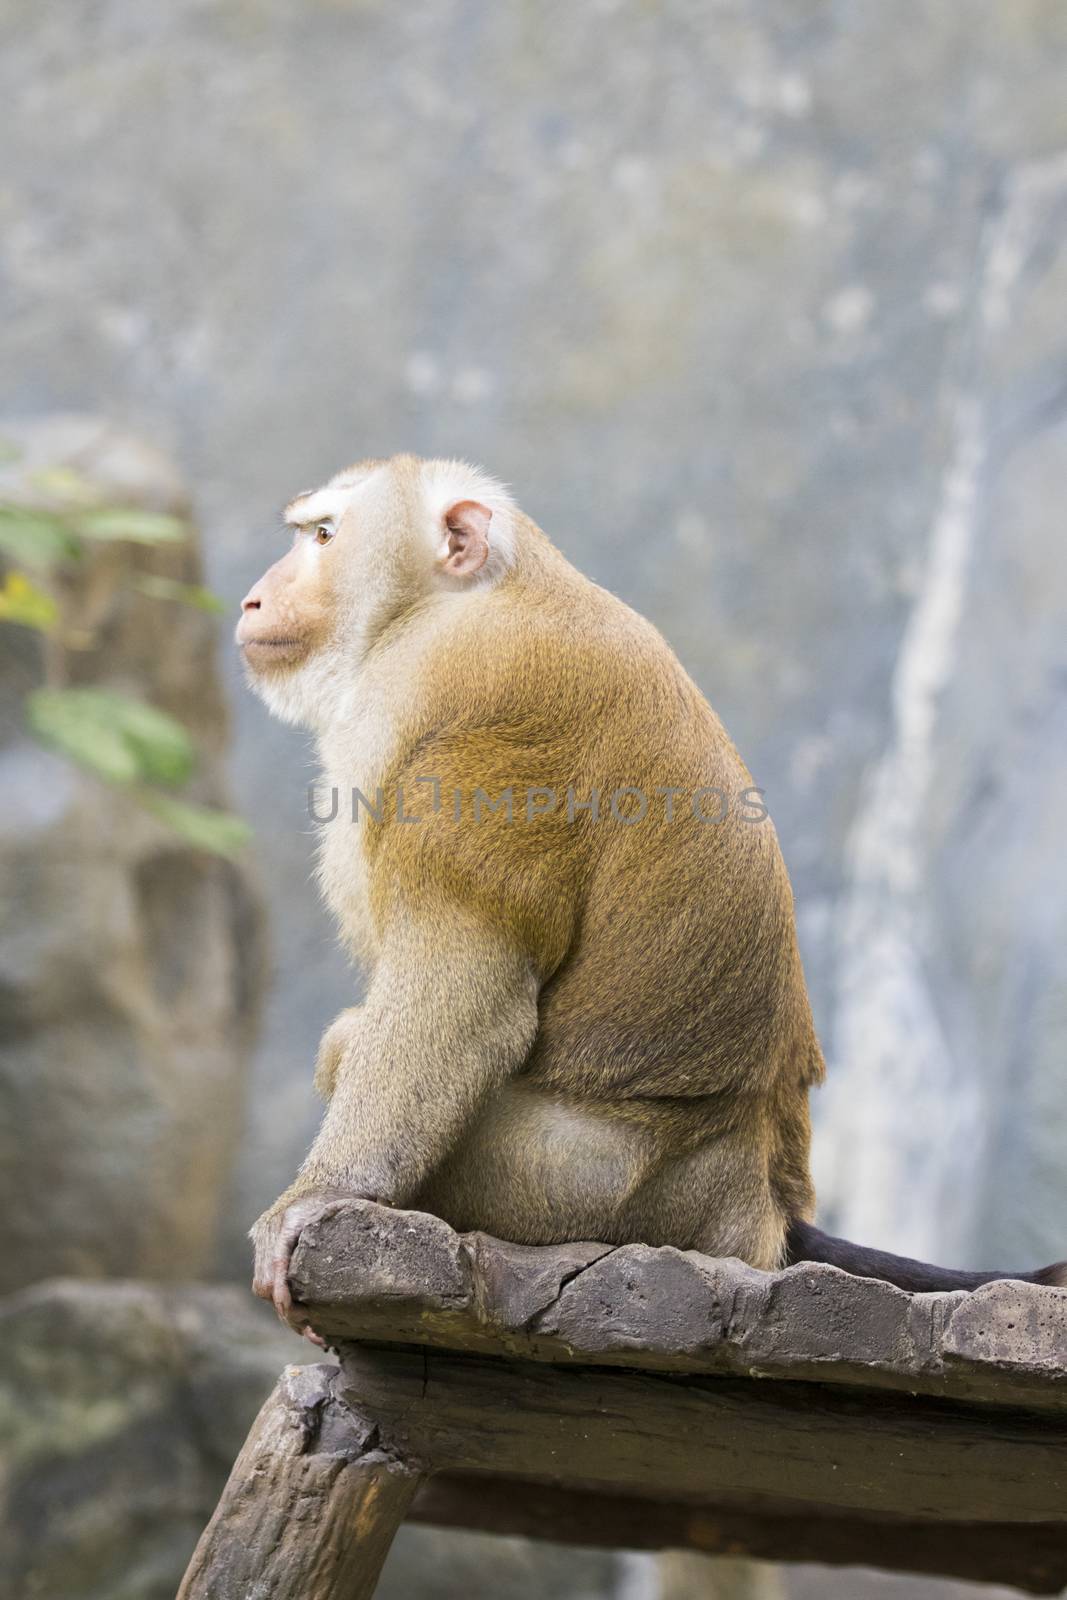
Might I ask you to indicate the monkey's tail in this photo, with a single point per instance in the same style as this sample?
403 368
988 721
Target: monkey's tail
804 1242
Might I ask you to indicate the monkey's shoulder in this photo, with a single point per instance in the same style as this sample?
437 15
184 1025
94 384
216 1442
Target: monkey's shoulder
565 666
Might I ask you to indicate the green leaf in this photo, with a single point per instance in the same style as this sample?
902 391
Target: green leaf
72 724
187 594
35 538
163 747
21 601
63 483
219 832
122 740
127 522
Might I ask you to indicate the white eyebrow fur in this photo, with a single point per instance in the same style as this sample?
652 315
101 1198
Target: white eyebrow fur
318 505
444 484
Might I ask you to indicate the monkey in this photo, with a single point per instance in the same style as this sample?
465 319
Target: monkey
585 1017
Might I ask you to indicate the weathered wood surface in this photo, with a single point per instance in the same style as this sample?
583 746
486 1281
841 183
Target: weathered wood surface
714 1440
600 1394
722 1466
1033 1558
371 1273
311 1505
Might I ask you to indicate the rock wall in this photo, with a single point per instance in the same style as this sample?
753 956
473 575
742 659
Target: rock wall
122 1406
130 964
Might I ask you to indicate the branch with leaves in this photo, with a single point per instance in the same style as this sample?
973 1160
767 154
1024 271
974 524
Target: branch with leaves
122 740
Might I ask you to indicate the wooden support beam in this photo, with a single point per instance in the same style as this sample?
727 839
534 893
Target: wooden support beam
706 1438
1033 1558
311 1505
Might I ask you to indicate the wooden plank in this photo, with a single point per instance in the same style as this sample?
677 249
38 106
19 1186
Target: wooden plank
1032 1558
700 1438
311 1505
372 1273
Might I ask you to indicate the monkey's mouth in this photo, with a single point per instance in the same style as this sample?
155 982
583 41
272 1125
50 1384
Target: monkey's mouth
267 651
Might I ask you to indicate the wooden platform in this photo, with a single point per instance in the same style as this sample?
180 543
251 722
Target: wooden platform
645 1398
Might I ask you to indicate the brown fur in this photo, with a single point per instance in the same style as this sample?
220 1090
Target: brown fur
671 998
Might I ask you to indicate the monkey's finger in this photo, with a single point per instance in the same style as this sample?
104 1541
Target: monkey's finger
280 1294
263 1272
291 1229
295 1318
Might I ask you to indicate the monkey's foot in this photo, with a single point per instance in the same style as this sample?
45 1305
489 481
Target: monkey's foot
275 1237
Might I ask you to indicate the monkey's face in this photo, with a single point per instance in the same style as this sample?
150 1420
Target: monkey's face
287 618
284 617
378 539
302 624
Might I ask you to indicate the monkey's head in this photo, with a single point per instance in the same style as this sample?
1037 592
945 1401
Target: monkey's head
377 540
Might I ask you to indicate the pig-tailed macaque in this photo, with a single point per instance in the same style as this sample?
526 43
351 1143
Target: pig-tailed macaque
586 1016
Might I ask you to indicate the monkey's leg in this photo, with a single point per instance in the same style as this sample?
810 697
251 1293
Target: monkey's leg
742 1216
450 1015
716 1198
537 1168
331 1050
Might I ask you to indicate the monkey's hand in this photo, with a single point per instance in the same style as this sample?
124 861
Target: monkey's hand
275 1236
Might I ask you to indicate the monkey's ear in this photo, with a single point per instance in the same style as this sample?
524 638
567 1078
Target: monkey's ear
466 538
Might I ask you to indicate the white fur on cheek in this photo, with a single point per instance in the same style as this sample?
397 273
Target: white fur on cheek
307 696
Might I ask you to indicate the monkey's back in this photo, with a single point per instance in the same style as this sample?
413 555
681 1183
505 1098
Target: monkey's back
665 935
672 1005
684 978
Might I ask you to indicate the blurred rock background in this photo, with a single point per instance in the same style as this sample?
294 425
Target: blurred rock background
131 963
759 307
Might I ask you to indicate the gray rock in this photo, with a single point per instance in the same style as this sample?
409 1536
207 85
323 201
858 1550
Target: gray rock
122 1406
131 969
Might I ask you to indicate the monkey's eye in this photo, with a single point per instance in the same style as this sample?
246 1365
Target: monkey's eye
323 533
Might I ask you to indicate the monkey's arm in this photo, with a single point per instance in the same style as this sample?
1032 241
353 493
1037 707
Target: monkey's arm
451 1013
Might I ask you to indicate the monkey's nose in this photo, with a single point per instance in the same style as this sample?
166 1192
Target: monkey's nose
251 602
